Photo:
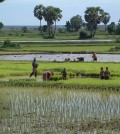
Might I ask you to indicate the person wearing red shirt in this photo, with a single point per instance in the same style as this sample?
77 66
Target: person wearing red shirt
47 75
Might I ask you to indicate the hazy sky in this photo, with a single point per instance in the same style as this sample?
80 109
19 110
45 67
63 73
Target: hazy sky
20 12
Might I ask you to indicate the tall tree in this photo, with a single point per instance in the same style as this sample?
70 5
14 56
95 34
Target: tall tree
1 1
118 28
93 17
111 28
51 14
76 22
68 26
105 19
38 12
1 25
57 16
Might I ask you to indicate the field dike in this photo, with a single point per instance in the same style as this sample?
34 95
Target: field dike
56 85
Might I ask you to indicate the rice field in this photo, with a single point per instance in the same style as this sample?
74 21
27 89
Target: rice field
59 111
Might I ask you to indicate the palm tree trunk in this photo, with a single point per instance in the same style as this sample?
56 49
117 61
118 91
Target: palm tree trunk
55 29
40 26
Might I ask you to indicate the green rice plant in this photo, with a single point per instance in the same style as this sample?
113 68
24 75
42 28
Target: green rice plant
44 109
22 80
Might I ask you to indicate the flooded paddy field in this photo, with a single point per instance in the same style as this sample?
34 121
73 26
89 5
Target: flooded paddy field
58 111
62 57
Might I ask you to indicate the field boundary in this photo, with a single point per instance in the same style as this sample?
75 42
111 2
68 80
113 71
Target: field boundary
59 41
57 85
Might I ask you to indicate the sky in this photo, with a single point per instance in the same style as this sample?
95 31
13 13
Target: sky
20 12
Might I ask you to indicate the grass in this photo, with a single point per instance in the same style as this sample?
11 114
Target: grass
86 69
64 47
113 82
23 67
50 108
36 35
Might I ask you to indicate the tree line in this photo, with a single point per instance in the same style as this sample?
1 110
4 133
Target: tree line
93 16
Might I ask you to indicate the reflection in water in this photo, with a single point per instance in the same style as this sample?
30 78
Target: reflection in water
62 57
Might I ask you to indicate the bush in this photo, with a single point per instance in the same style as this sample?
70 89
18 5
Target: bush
118 40
8 44
117 48
83 35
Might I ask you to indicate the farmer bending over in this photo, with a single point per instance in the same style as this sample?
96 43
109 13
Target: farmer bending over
47 75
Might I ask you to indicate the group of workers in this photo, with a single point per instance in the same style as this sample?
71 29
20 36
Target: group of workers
104 74
47 74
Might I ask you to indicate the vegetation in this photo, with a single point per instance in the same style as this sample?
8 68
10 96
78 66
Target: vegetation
2 0
93 17
38 13
51 15
55 110
7 44
83 103
78 73
76 22
105 19
1 25
64 47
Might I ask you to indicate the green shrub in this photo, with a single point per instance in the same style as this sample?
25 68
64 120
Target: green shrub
8 44
117 48
83 35
117 40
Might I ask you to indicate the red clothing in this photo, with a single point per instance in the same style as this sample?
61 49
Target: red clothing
47 75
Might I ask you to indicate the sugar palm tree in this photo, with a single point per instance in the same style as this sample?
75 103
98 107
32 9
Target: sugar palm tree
38 12
105 18
57 16
51 15
93 18
2 0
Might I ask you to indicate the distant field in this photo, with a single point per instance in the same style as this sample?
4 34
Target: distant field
36 35
33 35
64 47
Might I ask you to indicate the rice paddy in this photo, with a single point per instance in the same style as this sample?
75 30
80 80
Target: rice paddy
82 104
57 111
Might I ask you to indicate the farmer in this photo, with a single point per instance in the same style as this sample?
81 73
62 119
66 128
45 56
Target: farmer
34 67
64 74
107 73
94 56
47 75
101 73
